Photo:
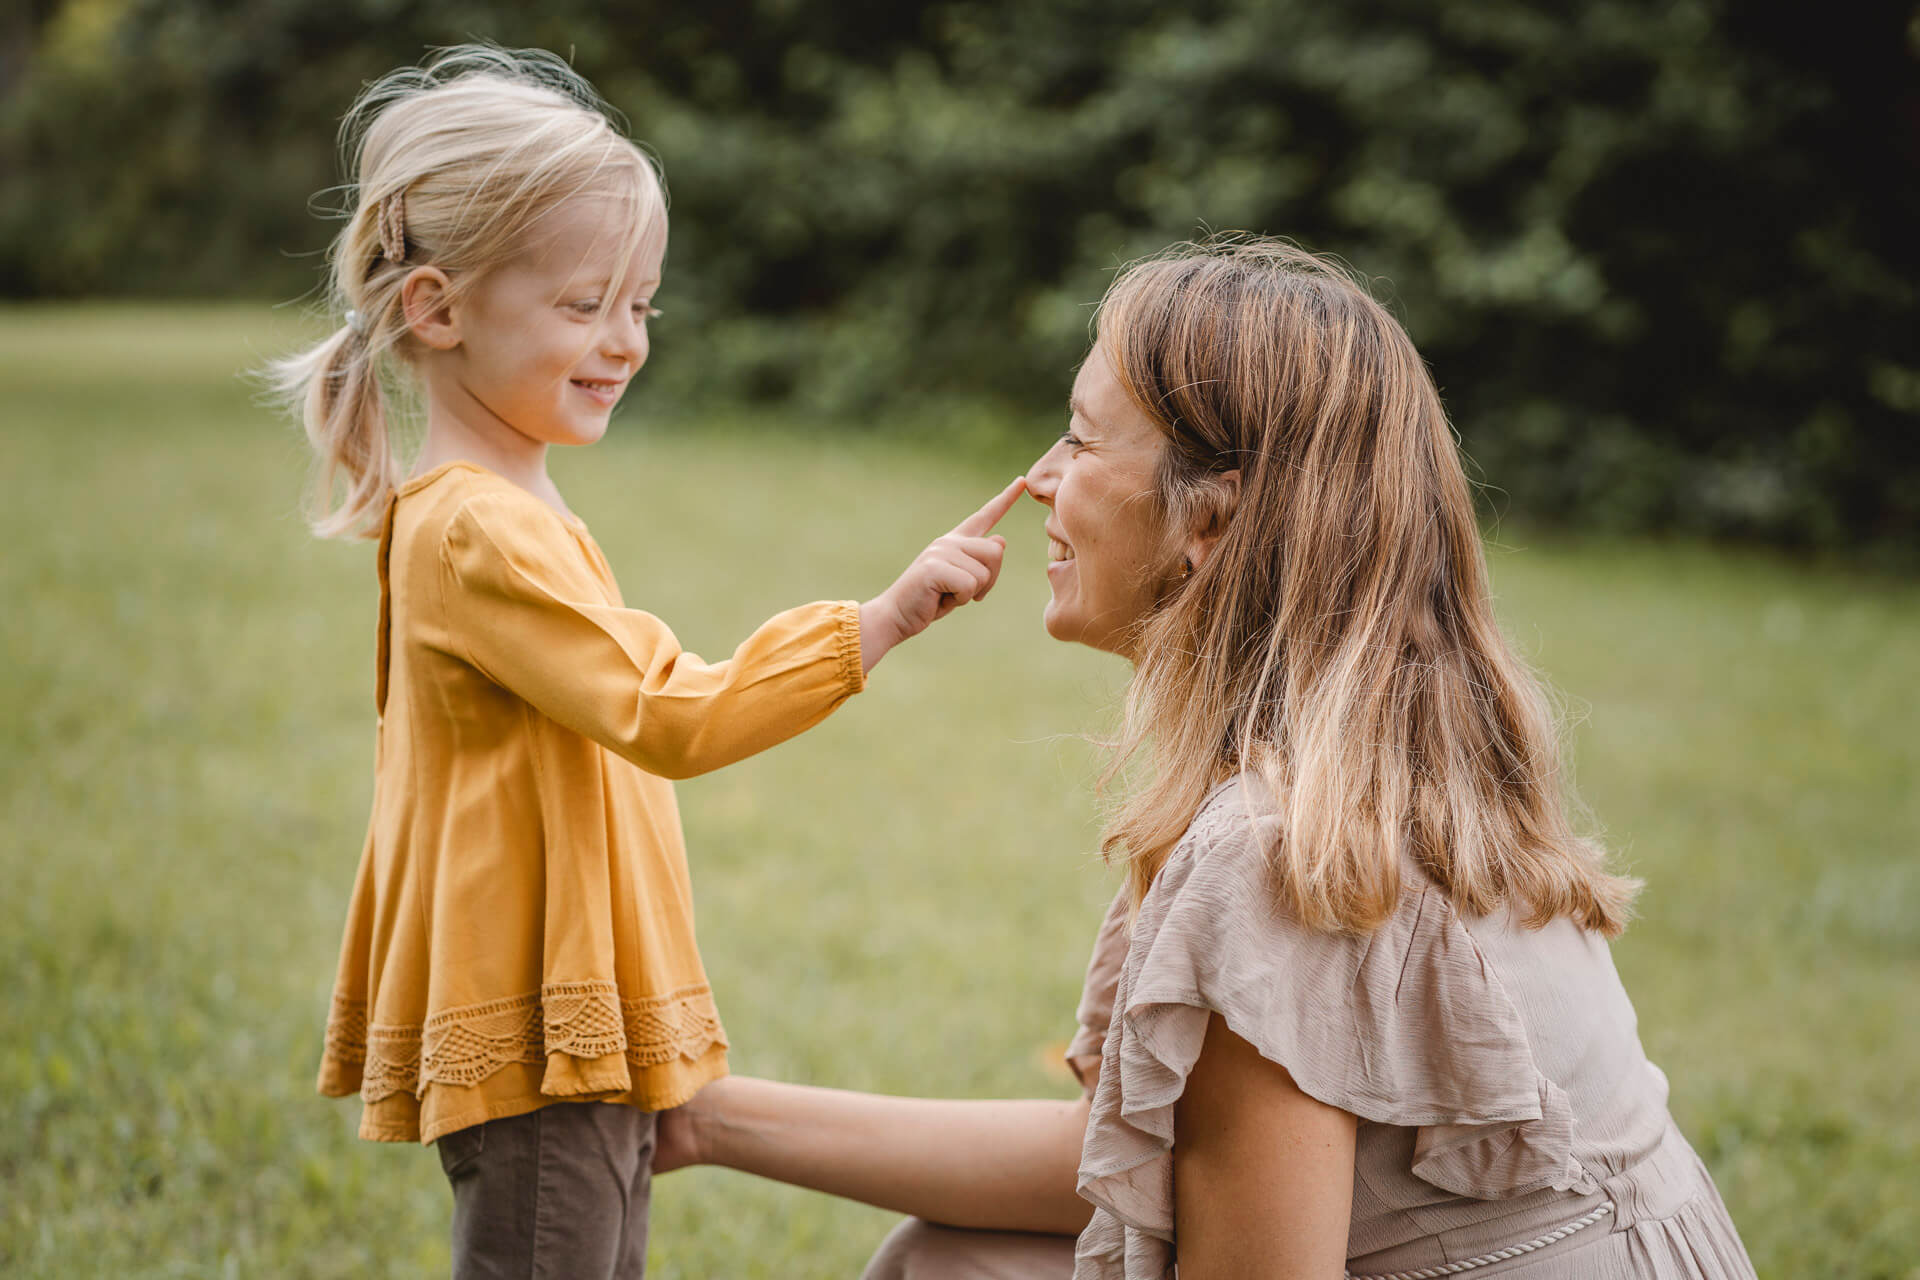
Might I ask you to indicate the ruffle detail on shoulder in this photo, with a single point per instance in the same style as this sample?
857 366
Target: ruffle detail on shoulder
1406 1026
1095 1014
1503 1159
1106 1249
568 1026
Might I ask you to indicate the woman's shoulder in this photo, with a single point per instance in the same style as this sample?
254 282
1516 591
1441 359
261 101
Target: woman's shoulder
1403 1025
1358 1013
1227 858
1216 906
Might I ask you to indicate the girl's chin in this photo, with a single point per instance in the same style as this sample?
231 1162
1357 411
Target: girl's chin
577 433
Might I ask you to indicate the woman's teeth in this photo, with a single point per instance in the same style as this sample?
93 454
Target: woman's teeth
1058 551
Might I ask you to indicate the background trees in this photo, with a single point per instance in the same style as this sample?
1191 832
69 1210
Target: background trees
1660 254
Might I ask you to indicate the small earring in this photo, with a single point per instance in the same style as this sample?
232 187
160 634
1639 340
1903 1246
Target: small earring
1188 563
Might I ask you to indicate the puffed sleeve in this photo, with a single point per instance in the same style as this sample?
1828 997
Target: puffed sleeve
1405 1026
524 608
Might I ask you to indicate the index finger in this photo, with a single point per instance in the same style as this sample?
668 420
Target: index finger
982 521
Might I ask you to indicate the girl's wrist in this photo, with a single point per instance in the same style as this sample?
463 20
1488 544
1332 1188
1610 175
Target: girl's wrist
880 630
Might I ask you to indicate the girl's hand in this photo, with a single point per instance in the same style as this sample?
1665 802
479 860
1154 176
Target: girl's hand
960 567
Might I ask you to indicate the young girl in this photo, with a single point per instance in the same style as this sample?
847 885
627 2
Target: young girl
521 932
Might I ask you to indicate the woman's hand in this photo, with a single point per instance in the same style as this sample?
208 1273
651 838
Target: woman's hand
956 568
680 1136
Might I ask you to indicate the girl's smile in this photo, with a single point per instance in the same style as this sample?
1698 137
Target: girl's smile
606 392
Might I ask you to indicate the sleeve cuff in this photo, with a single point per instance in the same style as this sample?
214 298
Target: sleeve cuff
853 672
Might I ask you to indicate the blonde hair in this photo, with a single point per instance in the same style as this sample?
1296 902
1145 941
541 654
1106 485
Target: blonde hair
450 164
1339 643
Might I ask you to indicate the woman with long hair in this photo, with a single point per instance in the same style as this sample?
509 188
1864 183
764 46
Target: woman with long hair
1353 1010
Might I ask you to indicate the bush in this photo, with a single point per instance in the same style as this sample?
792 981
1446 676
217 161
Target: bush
1659 254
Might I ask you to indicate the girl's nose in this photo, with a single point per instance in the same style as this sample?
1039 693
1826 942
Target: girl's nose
624 337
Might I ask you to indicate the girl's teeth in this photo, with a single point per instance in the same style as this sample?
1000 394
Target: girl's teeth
1057 551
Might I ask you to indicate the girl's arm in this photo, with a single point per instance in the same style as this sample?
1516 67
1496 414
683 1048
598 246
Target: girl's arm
998 1165
1262 1173
524 609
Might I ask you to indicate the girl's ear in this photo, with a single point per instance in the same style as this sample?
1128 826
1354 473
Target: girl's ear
1213 517
426 300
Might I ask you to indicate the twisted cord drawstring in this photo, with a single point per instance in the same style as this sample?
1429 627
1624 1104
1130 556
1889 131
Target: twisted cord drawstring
1500 1255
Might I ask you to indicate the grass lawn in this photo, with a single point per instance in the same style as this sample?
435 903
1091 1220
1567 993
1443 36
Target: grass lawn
901 900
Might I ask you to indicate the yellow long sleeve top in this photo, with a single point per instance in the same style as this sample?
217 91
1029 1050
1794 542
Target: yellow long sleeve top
521 927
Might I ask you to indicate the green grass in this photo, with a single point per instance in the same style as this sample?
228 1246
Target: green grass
901 900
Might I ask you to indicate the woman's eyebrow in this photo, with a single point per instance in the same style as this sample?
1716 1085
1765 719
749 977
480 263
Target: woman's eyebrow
1079 410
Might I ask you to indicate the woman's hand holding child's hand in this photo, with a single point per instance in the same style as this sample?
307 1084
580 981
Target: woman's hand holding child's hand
960 567
680 1137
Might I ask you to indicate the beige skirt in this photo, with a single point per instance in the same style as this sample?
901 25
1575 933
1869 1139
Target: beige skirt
917 1250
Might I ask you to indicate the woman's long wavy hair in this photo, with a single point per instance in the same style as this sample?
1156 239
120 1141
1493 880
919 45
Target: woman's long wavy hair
452 164
1338 643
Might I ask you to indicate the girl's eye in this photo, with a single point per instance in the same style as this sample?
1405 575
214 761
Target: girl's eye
647 311
586 306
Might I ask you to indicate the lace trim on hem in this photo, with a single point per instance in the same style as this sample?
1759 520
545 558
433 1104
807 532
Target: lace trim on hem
466 1045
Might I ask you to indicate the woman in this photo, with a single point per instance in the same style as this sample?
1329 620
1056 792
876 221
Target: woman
1354 1006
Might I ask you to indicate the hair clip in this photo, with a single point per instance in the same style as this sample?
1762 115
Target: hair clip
357 323
393 227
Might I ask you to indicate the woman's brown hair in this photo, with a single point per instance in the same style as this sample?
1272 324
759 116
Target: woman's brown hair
1338 643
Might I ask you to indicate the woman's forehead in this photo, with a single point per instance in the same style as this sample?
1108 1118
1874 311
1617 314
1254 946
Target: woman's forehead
1101 400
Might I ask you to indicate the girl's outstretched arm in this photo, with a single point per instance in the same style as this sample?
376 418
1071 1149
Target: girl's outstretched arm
523 607
1004 1165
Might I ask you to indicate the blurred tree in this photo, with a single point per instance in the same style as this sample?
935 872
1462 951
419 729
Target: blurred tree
1657 251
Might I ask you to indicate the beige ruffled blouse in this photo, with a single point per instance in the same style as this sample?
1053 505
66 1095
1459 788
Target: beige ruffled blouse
1510 1124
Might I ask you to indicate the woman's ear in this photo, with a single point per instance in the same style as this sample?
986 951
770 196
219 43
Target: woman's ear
1213 517
426 301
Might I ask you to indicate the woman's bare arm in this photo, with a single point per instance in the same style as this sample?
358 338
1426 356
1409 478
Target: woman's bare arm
1000 1165
1262 1173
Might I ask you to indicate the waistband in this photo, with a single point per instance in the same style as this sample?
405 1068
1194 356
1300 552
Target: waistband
1506 1254
1657 1186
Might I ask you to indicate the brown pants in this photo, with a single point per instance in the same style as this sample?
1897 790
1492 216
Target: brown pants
558 1193
918 1250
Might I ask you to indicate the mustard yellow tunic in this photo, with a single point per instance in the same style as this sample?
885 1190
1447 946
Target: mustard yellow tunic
521 928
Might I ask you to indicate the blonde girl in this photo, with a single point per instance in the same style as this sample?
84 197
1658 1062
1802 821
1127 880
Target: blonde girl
518 981
1352 1011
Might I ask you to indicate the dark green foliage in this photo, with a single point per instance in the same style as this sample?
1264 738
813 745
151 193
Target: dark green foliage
1659 254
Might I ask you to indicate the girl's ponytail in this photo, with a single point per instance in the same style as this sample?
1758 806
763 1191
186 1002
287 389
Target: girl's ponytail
336 390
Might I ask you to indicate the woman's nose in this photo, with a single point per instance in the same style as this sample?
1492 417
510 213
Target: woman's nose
1043 477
